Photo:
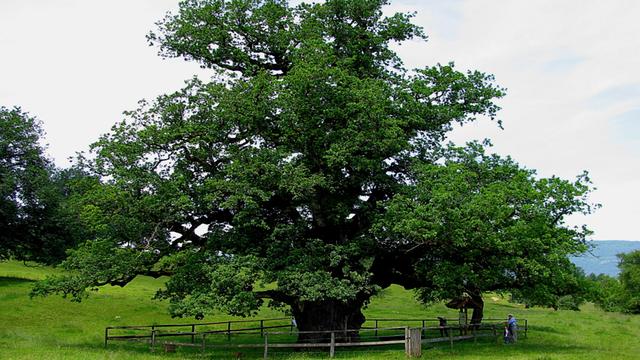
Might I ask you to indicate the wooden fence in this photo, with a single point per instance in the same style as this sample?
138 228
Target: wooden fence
208 335
152 332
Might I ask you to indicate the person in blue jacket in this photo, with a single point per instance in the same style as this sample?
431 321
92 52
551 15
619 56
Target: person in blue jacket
512 328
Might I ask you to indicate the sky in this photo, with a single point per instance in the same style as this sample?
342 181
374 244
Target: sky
571 70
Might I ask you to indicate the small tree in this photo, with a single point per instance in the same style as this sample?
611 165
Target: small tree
606 292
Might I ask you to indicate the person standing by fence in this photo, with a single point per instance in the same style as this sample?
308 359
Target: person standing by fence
512 327
506 333
444 331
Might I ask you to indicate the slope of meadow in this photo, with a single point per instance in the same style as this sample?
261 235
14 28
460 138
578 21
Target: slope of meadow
54 328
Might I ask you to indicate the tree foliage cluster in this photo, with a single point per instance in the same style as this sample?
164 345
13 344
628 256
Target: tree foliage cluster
36 222
621 293
311 172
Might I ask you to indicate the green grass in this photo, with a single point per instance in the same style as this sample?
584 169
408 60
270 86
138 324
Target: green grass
54 328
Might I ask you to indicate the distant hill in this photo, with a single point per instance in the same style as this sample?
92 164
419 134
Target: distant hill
602 259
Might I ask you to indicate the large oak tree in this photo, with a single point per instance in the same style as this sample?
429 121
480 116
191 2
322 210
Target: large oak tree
284 178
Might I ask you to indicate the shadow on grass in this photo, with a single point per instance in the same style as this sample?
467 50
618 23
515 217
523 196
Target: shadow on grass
523 347
10 280
532 347
484 348
132 350
479 351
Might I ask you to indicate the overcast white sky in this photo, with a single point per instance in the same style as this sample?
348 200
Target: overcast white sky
571 69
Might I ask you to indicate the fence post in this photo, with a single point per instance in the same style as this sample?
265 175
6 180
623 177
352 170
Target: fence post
424 330
204 343
526 327
261 328
376 334
495 333
346 334
332 346
106 336
266 345
406 340
473 332
153 340
153 337
193 333
229 331
413 342
450 337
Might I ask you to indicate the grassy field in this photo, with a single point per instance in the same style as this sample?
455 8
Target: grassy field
54 328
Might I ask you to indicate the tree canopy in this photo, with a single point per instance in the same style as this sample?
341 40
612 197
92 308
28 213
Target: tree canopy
311 172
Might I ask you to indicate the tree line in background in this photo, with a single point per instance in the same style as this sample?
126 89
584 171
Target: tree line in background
310 173
621 293
37 219
615 294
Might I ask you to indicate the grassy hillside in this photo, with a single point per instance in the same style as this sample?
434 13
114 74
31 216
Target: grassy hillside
54 328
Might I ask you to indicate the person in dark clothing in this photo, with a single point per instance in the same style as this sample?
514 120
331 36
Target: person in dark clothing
443 326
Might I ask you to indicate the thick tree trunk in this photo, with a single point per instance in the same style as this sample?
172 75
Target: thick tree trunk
478 309
327 315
